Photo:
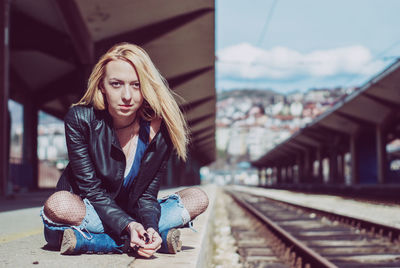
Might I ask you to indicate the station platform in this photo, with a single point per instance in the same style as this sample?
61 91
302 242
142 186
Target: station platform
22 240
387 191
386 214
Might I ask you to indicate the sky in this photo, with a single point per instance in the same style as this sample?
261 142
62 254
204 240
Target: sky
291 45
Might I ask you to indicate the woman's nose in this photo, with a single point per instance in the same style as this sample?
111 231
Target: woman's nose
126 93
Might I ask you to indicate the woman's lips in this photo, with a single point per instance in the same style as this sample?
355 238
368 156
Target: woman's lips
125 107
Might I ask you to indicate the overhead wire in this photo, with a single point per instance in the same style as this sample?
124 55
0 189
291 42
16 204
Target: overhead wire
268 20
265 30
262 35
377 56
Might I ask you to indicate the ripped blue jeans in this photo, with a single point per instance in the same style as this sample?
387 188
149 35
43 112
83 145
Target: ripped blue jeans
173 215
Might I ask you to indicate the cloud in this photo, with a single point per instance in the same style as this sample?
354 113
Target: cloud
244 61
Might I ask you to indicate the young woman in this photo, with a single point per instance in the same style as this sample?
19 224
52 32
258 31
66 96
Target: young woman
119 138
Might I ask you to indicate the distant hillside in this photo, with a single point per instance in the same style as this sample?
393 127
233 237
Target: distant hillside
249 93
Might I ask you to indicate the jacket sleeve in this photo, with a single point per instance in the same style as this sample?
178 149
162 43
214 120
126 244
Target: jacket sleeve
148 208
84 174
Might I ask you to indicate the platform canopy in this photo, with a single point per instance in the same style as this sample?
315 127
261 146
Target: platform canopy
375 103
54 44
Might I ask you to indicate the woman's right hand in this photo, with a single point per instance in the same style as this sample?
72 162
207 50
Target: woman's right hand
137 233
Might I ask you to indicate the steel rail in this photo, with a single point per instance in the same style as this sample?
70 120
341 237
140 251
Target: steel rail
308 255
378 228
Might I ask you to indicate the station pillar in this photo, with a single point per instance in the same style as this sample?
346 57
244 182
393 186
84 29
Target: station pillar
269 176
334 174
368 152
319 157
307 170
274 178
300 169
354 158
30 174
288 173
279 175
261 172
174 174
285 174
341 164
291 173
186 173
264 176
382 163
4 95
192 171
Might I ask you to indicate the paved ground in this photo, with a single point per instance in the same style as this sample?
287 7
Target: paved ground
22 243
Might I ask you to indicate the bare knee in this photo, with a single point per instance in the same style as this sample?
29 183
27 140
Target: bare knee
65 207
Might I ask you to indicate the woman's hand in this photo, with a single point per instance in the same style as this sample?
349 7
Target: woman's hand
139 237
137 234
153 244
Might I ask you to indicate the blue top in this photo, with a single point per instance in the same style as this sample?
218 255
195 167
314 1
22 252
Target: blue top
143 142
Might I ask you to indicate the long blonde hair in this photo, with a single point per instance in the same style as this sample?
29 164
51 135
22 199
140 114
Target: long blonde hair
158 98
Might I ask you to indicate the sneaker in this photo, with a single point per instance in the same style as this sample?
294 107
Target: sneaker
174 245
68 243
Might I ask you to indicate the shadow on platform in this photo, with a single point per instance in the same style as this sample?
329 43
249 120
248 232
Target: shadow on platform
25 200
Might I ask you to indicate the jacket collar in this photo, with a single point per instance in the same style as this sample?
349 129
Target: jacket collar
159 139
105 118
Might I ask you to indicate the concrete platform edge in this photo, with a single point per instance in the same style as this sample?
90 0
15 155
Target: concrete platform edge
206 250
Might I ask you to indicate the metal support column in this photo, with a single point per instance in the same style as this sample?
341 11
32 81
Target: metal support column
308 166
333 166
30 140
354 159
320 175
300 169
262 172
291 175
341 175
381 153
4 94
279 175
287 177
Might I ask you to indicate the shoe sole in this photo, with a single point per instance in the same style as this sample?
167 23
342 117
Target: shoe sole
68 242
173 241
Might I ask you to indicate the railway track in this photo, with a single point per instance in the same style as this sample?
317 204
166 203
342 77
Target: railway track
303 237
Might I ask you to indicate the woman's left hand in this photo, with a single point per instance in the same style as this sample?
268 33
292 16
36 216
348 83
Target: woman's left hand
152 245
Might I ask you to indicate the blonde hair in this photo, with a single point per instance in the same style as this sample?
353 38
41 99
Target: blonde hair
158 101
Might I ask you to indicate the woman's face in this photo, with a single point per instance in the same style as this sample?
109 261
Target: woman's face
121 88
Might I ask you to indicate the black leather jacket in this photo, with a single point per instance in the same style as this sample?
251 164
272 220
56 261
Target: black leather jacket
97 164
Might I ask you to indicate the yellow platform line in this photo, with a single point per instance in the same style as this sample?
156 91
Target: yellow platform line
15 236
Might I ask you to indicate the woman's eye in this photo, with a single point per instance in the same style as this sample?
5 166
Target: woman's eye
136 85
115 84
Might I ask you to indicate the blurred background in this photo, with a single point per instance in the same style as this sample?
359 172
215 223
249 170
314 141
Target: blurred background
309 80
275 91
